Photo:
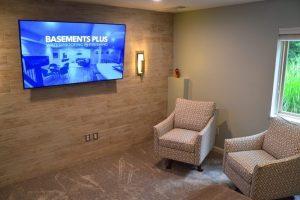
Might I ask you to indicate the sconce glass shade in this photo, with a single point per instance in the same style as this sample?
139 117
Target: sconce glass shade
140 63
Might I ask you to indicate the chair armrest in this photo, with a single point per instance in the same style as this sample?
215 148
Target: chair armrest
253 142
205 140
276 179
208 128
164 126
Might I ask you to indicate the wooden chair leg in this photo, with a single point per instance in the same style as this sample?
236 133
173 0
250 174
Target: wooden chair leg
169 164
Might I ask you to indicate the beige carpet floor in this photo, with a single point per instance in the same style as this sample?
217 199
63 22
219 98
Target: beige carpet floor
132 175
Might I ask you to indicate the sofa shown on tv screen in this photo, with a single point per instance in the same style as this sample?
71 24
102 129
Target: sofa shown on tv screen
59 53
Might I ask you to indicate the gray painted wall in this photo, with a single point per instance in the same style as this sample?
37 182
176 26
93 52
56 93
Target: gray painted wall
229 55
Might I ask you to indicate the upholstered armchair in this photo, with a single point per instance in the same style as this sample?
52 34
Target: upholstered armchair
188 134
266 165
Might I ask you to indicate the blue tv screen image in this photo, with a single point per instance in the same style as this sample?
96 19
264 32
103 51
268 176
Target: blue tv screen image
59 53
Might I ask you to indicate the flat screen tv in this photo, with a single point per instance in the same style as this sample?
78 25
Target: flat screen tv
59 53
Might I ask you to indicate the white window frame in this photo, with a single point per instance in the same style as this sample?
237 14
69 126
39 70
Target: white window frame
285 35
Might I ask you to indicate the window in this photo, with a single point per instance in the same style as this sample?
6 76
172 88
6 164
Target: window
286 93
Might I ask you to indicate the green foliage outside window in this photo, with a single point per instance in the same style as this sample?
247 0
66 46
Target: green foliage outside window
291 88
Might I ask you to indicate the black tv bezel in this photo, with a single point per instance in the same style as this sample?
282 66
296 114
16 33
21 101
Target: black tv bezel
75 22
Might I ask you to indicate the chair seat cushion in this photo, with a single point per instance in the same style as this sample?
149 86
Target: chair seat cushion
180 139
244 162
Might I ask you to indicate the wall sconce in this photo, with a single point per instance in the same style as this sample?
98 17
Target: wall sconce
140 63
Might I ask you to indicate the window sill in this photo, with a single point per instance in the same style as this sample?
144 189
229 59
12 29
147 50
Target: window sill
292 119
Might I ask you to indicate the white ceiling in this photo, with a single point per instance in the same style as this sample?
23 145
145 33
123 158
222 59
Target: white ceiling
166 5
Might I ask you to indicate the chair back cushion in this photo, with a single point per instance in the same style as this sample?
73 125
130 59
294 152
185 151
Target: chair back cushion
282 138
193 115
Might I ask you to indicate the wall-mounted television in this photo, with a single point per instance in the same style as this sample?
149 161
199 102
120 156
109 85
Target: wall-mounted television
59 53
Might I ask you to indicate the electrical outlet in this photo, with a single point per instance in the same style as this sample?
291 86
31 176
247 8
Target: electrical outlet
95 136
87 138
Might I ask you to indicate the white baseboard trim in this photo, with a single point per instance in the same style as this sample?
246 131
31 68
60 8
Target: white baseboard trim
218 150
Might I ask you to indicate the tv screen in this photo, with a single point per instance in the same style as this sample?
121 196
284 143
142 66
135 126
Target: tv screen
59 53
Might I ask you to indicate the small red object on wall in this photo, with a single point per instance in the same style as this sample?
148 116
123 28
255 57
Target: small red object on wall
177 73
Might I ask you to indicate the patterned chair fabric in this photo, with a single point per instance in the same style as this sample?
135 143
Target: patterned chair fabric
180 139
257 166
244 162
193 115
282 139
188 134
